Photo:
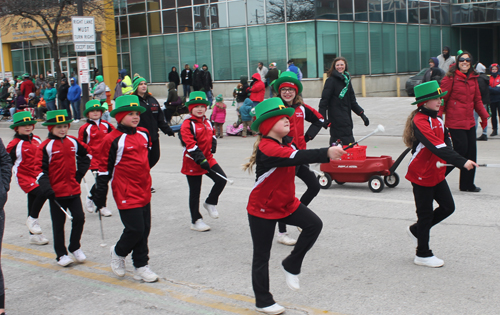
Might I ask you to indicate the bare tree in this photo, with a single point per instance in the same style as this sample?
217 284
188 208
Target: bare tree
50 16
296 10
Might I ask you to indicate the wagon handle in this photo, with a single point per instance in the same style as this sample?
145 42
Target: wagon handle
398 161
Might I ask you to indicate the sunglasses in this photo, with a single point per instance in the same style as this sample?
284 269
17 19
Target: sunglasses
464 59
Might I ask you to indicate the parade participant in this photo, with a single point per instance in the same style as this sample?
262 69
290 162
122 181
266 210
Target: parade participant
273 198
22 150
5 176
289 88
426 134
124 158
92 134
61 163
199 142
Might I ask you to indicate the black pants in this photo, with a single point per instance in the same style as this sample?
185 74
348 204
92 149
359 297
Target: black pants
94 187
427 216
307 176
154 153
67 106
135 235
464 143
495 110
194 183
2 226
36 200
262 231
74 205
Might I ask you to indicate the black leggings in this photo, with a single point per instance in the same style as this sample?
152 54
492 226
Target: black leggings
427 216
464 143
304 172
154 153
194 183
94 187
262 231
36 200
495 110
2 226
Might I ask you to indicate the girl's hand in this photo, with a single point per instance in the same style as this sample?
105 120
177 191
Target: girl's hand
335 152
470 165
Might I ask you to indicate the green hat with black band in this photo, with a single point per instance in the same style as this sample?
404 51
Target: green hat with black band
21 119
127 103
93 105
287 77
427 91
57 117
270 108
197 97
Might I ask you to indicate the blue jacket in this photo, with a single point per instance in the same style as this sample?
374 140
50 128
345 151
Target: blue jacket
245 110
74 92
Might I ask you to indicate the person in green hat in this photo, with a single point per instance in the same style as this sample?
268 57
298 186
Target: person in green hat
219 116
426 134
100 89
62 161
124 158
22 150
273 198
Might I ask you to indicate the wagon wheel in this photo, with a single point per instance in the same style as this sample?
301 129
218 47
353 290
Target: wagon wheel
325 181
376 184
339 183
392 180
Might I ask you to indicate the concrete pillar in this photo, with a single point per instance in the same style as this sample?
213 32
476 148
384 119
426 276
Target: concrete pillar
109 55
7 57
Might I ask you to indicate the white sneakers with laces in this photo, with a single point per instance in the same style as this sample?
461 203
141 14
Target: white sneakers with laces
65 261
432 261
212 211
89 204
291 280
33 225
145 274
200 226
117 263
273 309
79 255
285 239
106 212
38 239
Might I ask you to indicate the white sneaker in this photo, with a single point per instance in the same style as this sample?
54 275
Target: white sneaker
273 309
33 225
283 238
432 261
79 255
412 237
153 190
200 226
106 212
76 121
117 263
89 204
291 280
38 239
65 261
145 274
212 212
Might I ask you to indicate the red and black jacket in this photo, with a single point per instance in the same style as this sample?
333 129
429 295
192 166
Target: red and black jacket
273 195
124 162
433 145
62 163
22 151
92 133
303 113
198 139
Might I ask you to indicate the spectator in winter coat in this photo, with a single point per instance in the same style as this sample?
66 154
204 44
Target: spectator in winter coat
173 100
75 97
494 97
257 89
262 71
434 72
41 83
207 83
100 90
294 69
126 82
462 99
484 83
197 78
187 80
19 104
445 60
246 118
50 96
62 97
4 93
27 86
272 75
173 76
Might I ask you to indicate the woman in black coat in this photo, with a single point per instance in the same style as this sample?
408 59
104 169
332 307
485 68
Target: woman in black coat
337 102
173 76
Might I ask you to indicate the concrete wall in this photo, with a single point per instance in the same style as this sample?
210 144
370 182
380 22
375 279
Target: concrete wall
376 86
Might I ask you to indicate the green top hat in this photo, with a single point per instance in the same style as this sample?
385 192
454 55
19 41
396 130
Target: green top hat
21 119
127 103
93 105
270 108
287 76
57 117
427 91
197 98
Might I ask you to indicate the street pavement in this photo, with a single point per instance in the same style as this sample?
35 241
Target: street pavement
361 264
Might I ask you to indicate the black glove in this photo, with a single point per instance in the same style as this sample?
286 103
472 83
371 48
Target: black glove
78 178
326 123
171 133
365 119
205 165
307 138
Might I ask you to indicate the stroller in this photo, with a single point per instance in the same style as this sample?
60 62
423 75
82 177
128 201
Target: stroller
4 109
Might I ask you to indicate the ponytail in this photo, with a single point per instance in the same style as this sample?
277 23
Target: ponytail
251 160
409 134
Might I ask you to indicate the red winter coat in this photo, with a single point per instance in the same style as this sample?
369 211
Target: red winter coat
198 138
462 99
304 113
27 87
22 151
124 161
494 81
92 135
258 89
64 162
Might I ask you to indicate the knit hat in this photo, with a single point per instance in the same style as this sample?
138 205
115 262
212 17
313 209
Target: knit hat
494 65
127 103
196 65
480 68
435 61
136 82
57 117
270 108
99 78
22 118
272 64
219 98
93 105
195 99
26 75
290 78
427 91
31 95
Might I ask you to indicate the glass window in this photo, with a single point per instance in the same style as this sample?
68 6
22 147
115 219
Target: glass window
402 40
222 55
413 49
445 13
123 27
17 63
126 62
326 9
400 7
201 17
485 56
169 22
377 54
435 12
34 68
347 43
27 66
388 10
200 2
117 26
120 7
185 20
154 23
425 45
183 3
345 10
469 41
134 6
258 53
275 11
27 54
71 50
218 15
186 45
302 48
276 46
154 5
98 48
137 25
389 48
171 53
202 48
299 10
361 53
234 9
424 12
48 66
255 12
32 54
361 9
140 61
435 49
374 6
125 47
46 51
157 57
327 45
238 46
63 51
412 11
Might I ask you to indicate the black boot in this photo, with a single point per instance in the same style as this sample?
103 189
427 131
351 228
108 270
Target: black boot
483 137
494 133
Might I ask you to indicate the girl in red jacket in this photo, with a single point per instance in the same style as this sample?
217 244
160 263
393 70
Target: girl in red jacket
124 162
92 133
199 141
426 134
61 163
22 150
273 198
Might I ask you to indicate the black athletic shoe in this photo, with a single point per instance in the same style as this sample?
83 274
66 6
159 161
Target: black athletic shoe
483 137
494 133
153 190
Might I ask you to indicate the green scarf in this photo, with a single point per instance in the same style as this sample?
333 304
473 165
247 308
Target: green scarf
347 79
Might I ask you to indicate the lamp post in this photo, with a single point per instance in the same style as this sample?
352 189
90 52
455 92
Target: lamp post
85 86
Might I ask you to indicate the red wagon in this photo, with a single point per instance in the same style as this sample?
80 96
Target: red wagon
356 167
